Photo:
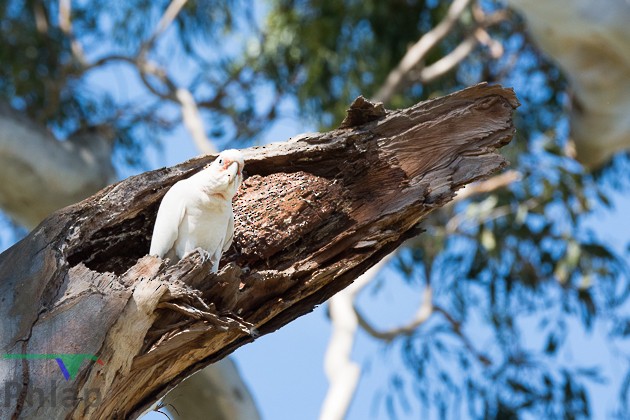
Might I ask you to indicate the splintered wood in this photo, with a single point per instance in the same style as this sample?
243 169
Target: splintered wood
312 215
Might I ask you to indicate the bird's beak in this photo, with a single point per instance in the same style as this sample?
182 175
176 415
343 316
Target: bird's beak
233 169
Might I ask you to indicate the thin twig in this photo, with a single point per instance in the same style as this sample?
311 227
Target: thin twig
147 68
491 184
193 122
421 316
494 46
448 62
453 225
167 18
41 21
484 38
416 54
65 24
457 329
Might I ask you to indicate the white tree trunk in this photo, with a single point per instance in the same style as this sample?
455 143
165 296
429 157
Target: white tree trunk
590 41
215 393
41 174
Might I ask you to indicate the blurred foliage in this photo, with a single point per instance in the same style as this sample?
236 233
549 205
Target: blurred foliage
42 76
333 51
500 262
510 263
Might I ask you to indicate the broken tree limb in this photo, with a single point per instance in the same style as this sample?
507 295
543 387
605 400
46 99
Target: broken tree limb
312 215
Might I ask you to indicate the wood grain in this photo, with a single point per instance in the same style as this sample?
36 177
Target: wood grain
312 215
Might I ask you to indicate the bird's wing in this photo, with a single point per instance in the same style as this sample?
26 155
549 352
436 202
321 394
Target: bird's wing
229 234
170 215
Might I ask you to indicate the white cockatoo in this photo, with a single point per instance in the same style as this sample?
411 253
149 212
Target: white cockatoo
196 213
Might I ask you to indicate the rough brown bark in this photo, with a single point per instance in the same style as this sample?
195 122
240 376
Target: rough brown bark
313 214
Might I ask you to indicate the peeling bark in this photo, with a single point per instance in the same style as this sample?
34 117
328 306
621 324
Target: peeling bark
312 215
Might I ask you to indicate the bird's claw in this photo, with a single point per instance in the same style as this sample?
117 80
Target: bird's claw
203 254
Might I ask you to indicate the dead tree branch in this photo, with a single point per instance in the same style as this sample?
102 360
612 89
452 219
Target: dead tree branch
311 217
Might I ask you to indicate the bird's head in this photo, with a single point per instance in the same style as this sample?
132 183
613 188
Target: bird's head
227 170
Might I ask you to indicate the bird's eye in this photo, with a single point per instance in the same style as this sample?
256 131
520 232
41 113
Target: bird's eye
220 161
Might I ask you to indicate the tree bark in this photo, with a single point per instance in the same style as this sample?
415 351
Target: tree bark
42 174
312 215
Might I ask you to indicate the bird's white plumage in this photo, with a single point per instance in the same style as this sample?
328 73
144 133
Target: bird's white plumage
196 213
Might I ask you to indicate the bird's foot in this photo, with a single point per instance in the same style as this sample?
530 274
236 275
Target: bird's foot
203 254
